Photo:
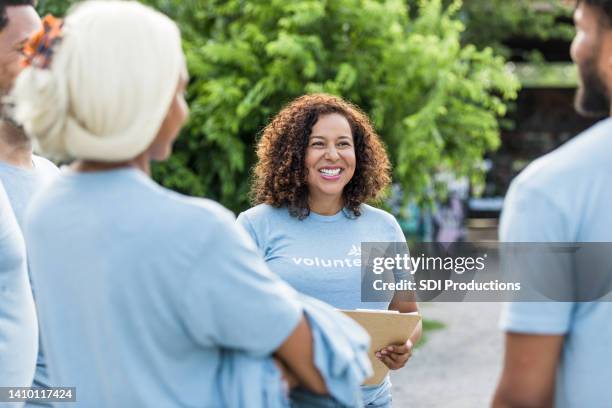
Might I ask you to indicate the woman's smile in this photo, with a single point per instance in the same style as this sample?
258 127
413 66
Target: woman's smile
331 173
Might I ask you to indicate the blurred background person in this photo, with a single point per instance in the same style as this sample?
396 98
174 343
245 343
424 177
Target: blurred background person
18 326
558 354
21 172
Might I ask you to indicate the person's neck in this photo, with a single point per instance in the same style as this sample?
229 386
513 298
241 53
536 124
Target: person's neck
141 162
326 205
15 147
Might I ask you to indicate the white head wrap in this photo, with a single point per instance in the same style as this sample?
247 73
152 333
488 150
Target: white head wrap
109 87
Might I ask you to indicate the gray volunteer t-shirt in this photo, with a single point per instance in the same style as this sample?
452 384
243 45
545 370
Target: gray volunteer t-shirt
320 256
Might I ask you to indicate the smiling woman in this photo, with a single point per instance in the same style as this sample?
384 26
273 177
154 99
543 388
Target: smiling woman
320 161
320 153
330 163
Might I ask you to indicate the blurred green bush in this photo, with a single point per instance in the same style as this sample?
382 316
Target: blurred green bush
434 100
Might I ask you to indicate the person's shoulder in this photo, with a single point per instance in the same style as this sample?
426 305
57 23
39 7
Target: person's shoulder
376 214
202 220
45 165
576 161
380 225
199 210
263 212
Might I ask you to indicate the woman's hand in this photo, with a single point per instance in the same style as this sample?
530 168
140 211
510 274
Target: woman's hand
395 357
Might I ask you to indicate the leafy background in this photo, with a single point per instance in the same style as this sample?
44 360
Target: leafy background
431 75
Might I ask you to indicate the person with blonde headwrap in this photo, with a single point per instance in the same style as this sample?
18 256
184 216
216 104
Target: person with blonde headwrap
142 291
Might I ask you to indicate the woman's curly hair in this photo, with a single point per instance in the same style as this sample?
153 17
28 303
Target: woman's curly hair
280 174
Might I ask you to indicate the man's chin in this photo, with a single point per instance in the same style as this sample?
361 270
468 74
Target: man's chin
592 103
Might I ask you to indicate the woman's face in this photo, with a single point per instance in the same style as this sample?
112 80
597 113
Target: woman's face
177 115
330 157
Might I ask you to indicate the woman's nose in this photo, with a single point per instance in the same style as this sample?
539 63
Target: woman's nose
331 154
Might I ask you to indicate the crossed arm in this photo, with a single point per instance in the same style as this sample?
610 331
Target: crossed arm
297 360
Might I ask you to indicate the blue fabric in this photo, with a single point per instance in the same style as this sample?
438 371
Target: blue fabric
301 398
18 325
565 196
141 289
246 381
340 354
341 351
21 185
320 256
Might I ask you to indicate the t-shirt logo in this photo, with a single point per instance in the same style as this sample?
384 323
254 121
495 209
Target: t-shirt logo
355 250
341 262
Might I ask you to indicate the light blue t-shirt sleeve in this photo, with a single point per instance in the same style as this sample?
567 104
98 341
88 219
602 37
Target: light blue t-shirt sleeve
530 216
400 247
244 222
232 300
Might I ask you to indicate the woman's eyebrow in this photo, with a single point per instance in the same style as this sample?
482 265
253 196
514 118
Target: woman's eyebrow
324 138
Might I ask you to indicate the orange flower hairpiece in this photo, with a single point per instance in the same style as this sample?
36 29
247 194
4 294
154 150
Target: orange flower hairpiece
39 48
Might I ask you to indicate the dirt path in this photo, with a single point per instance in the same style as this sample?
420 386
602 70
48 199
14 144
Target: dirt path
458 367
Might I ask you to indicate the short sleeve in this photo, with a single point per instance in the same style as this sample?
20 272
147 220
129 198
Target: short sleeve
400 246
233 301
244 222
529 216
537 317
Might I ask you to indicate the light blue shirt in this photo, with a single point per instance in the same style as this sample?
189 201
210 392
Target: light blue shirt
18 326
21 185
140 289
565 196
340 353
320 256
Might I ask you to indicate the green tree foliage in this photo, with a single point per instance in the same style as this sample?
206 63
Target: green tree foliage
541 20
435 101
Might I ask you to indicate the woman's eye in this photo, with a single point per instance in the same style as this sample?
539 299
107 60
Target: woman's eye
344 144
317 144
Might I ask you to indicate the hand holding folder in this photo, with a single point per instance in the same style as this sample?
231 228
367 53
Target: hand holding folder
385 327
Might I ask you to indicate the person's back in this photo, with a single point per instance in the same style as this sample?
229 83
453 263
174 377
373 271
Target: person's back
18 326
143 299
565 197
558 353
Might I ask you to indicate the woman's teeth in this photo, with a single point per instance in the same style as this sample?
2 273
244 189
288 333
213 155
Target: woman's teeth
330 172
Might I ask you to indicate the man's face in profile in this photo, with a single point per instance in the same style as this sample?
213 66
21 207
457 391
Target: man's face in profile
22 22
588 51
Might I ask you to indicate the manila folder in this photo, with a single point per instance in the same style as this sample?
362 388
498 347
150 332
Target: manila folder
385 327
